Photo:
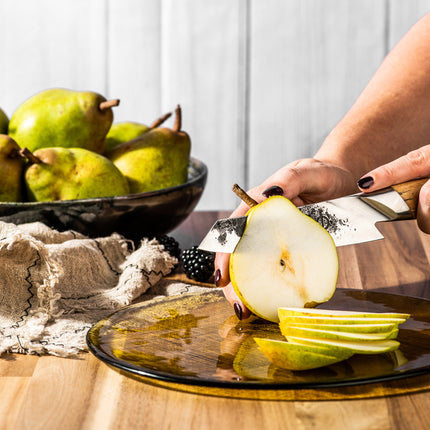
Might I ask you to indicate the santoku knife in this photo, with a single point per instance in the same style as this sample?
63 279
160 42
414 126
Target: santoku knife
349 220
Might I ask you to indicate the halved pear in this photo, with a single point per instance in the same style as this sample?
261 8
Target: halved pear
284 258
313 333
298 357
351 328
338 346
330 313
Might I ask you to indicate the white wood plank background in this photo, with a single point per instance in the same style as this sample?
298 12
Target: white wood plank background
261 83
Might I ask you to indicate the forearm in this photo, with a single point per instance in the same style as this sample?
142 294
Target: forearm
392 115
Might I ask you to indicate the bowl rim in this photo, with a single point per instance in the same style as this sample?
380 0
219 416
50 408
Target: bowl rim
199 165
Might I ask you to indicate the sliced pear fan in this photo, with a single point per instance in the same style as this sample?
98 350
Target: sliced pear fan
340 335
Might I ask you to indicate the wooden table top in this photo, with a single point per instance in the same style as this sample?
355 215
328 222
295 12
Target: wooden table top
56 393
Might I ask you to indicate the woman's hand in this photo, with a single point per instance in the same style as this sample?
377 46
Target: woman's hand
304 181
415 164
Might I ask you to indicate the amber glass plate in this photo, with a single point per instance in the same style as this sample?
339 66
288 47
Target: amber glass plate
196 340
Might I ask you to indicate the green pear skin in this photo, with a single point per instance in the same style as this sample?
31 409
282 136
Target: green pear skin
11 167
122 132
72 173
60 117
125 131
156 160
4 122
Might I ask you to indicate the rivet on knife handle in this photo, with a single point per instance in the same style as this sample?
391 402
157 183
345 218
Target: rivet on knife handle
409 192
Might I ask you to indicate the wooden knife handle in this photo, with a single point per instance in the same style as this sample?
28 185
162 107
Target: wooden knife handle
409 192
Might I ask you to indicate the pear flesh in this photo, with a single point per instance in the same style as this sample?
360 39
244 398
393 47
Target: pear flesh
340 346
284 258
72 173
60 117
298 331
321 313
350 328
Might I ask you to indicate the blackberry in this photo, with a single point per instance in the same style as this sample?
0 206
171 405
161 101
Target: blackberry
170 245
198 264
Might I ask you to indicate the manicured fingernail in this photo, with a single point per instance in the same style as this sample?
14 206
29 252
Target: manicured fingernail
274 190
217 276
238 310
365 182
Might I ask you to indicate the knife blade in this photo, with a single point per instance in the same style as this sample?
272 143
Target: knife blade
349 220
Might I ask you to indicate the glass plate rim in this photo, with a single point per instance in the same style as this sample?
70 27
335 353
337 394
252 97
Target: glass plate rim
155 375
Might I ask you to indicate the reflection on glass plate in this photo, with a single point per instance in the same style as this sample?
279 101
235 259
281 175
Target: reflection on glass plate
195 340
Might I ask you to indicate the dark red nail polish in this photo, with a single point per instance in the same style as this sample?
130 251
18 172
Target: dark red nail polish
217 276
238 310
365 182
274 190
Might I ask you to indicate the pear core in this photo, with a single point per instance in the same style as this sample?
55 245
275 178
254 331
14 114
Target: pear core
284 258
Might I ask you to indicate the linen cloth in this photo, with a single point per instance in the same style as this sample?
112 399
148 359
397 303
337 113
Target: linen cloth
55 285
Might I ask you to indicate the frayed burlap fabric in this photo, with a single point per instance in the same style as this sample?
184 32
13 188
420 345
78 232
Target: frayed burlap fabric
54 286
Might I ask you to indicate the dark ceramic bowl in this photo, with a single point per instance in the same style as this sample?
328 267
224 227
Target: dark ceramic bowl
135 215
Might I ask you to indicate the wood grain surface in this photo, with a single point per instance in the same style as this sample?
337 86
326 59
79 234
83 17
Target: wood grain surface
52 393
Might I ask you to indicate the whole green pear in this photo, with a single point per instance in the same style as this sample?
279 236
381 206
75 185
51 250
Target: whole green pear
122 132
59 117
71 173
158 159
4 122
11 168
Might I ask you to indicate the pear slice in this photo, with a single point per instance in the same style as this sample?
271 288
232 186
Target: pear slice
289 330
298 357
338 346
291 311
327 320
284 258
350 328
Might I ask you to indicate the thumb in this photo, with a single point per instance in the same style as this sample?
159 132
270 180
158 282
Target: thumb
413 165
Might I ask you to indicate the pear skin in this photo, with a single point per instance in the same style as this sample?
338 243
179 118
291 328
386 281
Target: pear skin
4 122
60 117
125 131
122 132
297 357
72 173
158 159
11 165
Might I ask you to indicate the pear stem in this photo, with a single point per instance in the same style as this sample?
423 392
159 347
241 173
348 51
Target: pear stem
244 196
178 119
26 153
160 120
108 104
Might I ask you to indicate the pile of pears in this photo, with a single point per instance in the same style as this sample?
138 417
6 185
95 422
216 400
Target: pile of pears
62 144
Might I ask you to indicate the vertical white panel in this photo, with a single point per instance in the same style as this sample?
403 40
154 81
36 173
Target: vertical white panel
204 70
310 59
49 43
403 15
134 58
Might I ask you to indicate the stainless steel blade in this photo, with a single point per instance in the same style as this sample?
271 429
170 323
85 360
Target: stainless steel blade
349 220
